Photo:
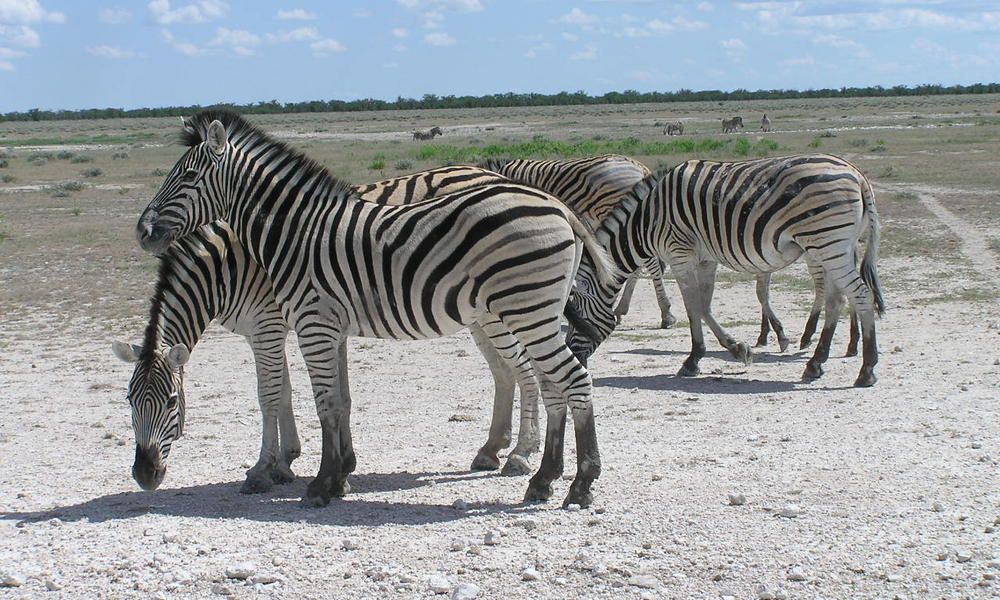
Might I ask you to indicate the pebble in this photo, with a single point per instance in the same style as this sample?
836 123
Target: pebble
460 504
465 591
656 477
530 574
796 574
977 445
221 589
600 569
962 557
897 349
12 580
763 593
265 579
790 511
736 499
937 507
573 507
528 523
350 544
170 537
644 581
438 583
53 585
457 546
492 538
241 571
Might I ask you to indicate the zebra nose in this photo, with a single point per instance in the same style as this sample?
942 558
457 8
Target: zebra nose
147 470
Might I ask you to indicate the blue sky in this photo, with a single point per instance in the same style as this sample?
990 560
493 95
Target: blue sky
82 54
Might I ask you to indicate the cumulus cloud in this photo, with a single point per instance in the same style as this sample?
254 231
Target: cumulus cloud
295 14
113 52
302 34
195 12
23 12
185 48
21 36
579 18
801 61
114 16
779 17
239 41
439 38
734 44
361 13
588 53
327 46
459 5
400 32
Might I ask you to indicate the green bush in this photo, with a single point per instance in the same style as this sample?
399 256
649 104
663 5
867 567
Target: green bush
159 172
64 155
378 163
816 142
82 158
91 172
7 178
403 164
3 163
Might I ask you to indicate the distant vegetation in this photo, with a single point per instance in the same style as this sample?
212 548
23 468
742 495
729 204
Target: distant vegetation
507 100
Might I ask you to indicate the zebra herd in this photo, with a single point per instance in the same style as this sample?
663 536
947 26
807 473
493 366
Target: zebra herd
258 237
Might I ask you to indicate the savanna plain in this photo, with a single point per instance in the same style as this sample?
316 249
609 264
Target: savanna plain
886 492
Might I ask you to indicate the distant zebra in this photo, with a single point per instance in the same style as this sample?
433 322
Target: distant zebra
501 256
427 135
674 128
730 125
755 216
765 124
592 187
208 276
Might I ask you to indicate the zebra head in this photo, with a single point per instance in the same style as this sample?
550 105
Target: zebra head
156 395
593 303
193 193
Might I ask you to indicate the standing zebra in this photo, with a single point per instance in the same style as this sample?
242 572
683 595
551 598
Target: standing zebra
730 125
208 276
674 128
765 124
501 256
755 216
592 187
427 135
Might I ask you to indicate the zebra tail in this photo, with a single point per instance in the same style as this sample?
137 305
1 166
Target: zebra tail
607 272
869 271
572 313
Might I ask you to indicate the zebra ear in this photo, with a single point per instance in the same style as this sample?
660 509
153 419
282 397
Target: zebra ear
188 125
126 352
178 356
217 137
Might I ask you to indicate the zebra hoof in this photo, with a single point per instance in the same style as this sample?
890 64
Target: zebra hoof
258 483
516 466
689 371
865 379
814 370
485 461
583 499
805 342
852 350
742 353
282 474
761 341
783 343
668 321
538 492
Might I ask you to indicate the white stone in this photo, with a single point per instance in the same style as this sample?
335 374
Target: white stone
241 571
530 574
457 546
349 544
460 504
53 585
737 499
962 557
796 574
265 578
438 583
573 507
644 581
790 511
492 538
12 580
221 589
763 593
465 591
527 523
937 507
600 569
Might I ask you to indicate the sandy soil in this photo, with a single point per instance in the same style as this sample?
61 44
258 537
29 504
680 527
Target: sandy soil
895 489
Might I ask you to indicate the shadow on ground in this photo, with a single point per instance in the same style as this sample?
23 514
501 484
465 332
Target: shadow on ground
224 501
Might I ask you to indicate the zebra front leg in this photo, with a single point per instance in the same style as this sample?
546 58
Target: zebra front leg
692 305
667 318
290 447
269 361
769 320
706 289
625 299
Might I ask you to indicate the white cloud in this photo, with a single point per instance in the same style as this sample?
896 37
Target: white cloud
327 46
302 34
22 12
239 41
10 53
797 17
459 5
185 48
361 13
660 27
705 6
734 44
530 54
400 33
588 53
114 16
20 35
195 12
570 37
105 51
802 61
579 18
295 14
432 19
439 38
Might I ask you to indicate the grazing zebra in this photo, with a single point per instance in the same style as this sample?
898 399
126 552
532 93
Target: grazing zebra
674 128
209 276
730 125
427 135
501 256
765 124
755 216
591 187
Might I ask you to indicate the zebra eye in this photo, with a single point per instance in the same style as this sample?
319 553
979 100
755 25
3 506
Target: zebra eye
189 175
172 401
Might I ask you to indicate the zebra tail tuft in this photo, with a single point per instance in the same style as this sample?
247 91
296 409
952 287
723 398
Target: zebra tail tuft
869 271
606 270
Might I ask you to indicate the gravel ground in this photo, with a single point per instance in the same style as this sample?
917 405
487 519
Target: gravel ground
744 482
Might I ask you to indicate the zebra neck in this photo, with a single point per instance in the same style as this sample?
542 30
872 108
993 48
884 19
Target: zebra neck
186 297
625 232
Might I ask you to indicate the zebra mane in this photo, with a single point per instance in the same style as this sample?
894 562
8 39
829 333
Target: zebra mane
494 164
151 337
243 133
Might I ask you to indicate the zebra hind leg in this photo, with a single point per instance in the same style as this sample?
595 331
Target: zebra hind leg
819 285
693 307
290 447
706 289
269 363
769 320
625 299
852 343
834 303
667 318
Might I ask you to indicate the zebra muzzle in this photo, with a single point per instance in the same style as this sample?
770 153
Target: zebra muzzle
147 470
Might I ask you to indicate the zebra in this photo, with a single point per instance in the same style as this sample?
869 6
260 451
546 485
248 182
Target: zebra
591 187
501 256
674 128
427 135
755 216
209 276
765 124
730 125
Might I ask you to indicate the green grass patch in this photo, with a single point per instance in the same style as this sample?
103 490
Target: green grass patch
82 158
139 136
378 163
7 178
91 172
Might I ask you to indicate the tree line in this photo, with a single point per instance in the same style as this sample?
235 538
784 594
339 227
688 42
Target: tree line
508 99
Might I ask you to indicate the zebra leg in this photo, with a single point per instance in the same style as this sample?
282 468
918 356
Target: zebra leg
852 343
503 404
322 349
706 289
290 447
693 306
625 300
834 303
346 440
819 284
269 362
667 319
768 316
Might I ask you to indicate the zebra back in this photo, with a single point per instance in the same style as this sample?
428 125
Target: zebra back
426 184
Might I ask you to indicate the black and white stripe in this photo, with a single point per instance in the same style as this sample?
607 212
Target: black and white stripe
501 256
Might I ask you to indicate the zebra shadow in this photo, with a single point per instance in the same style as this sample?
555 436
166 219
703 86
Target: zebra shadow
760 355
224 501
712 384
